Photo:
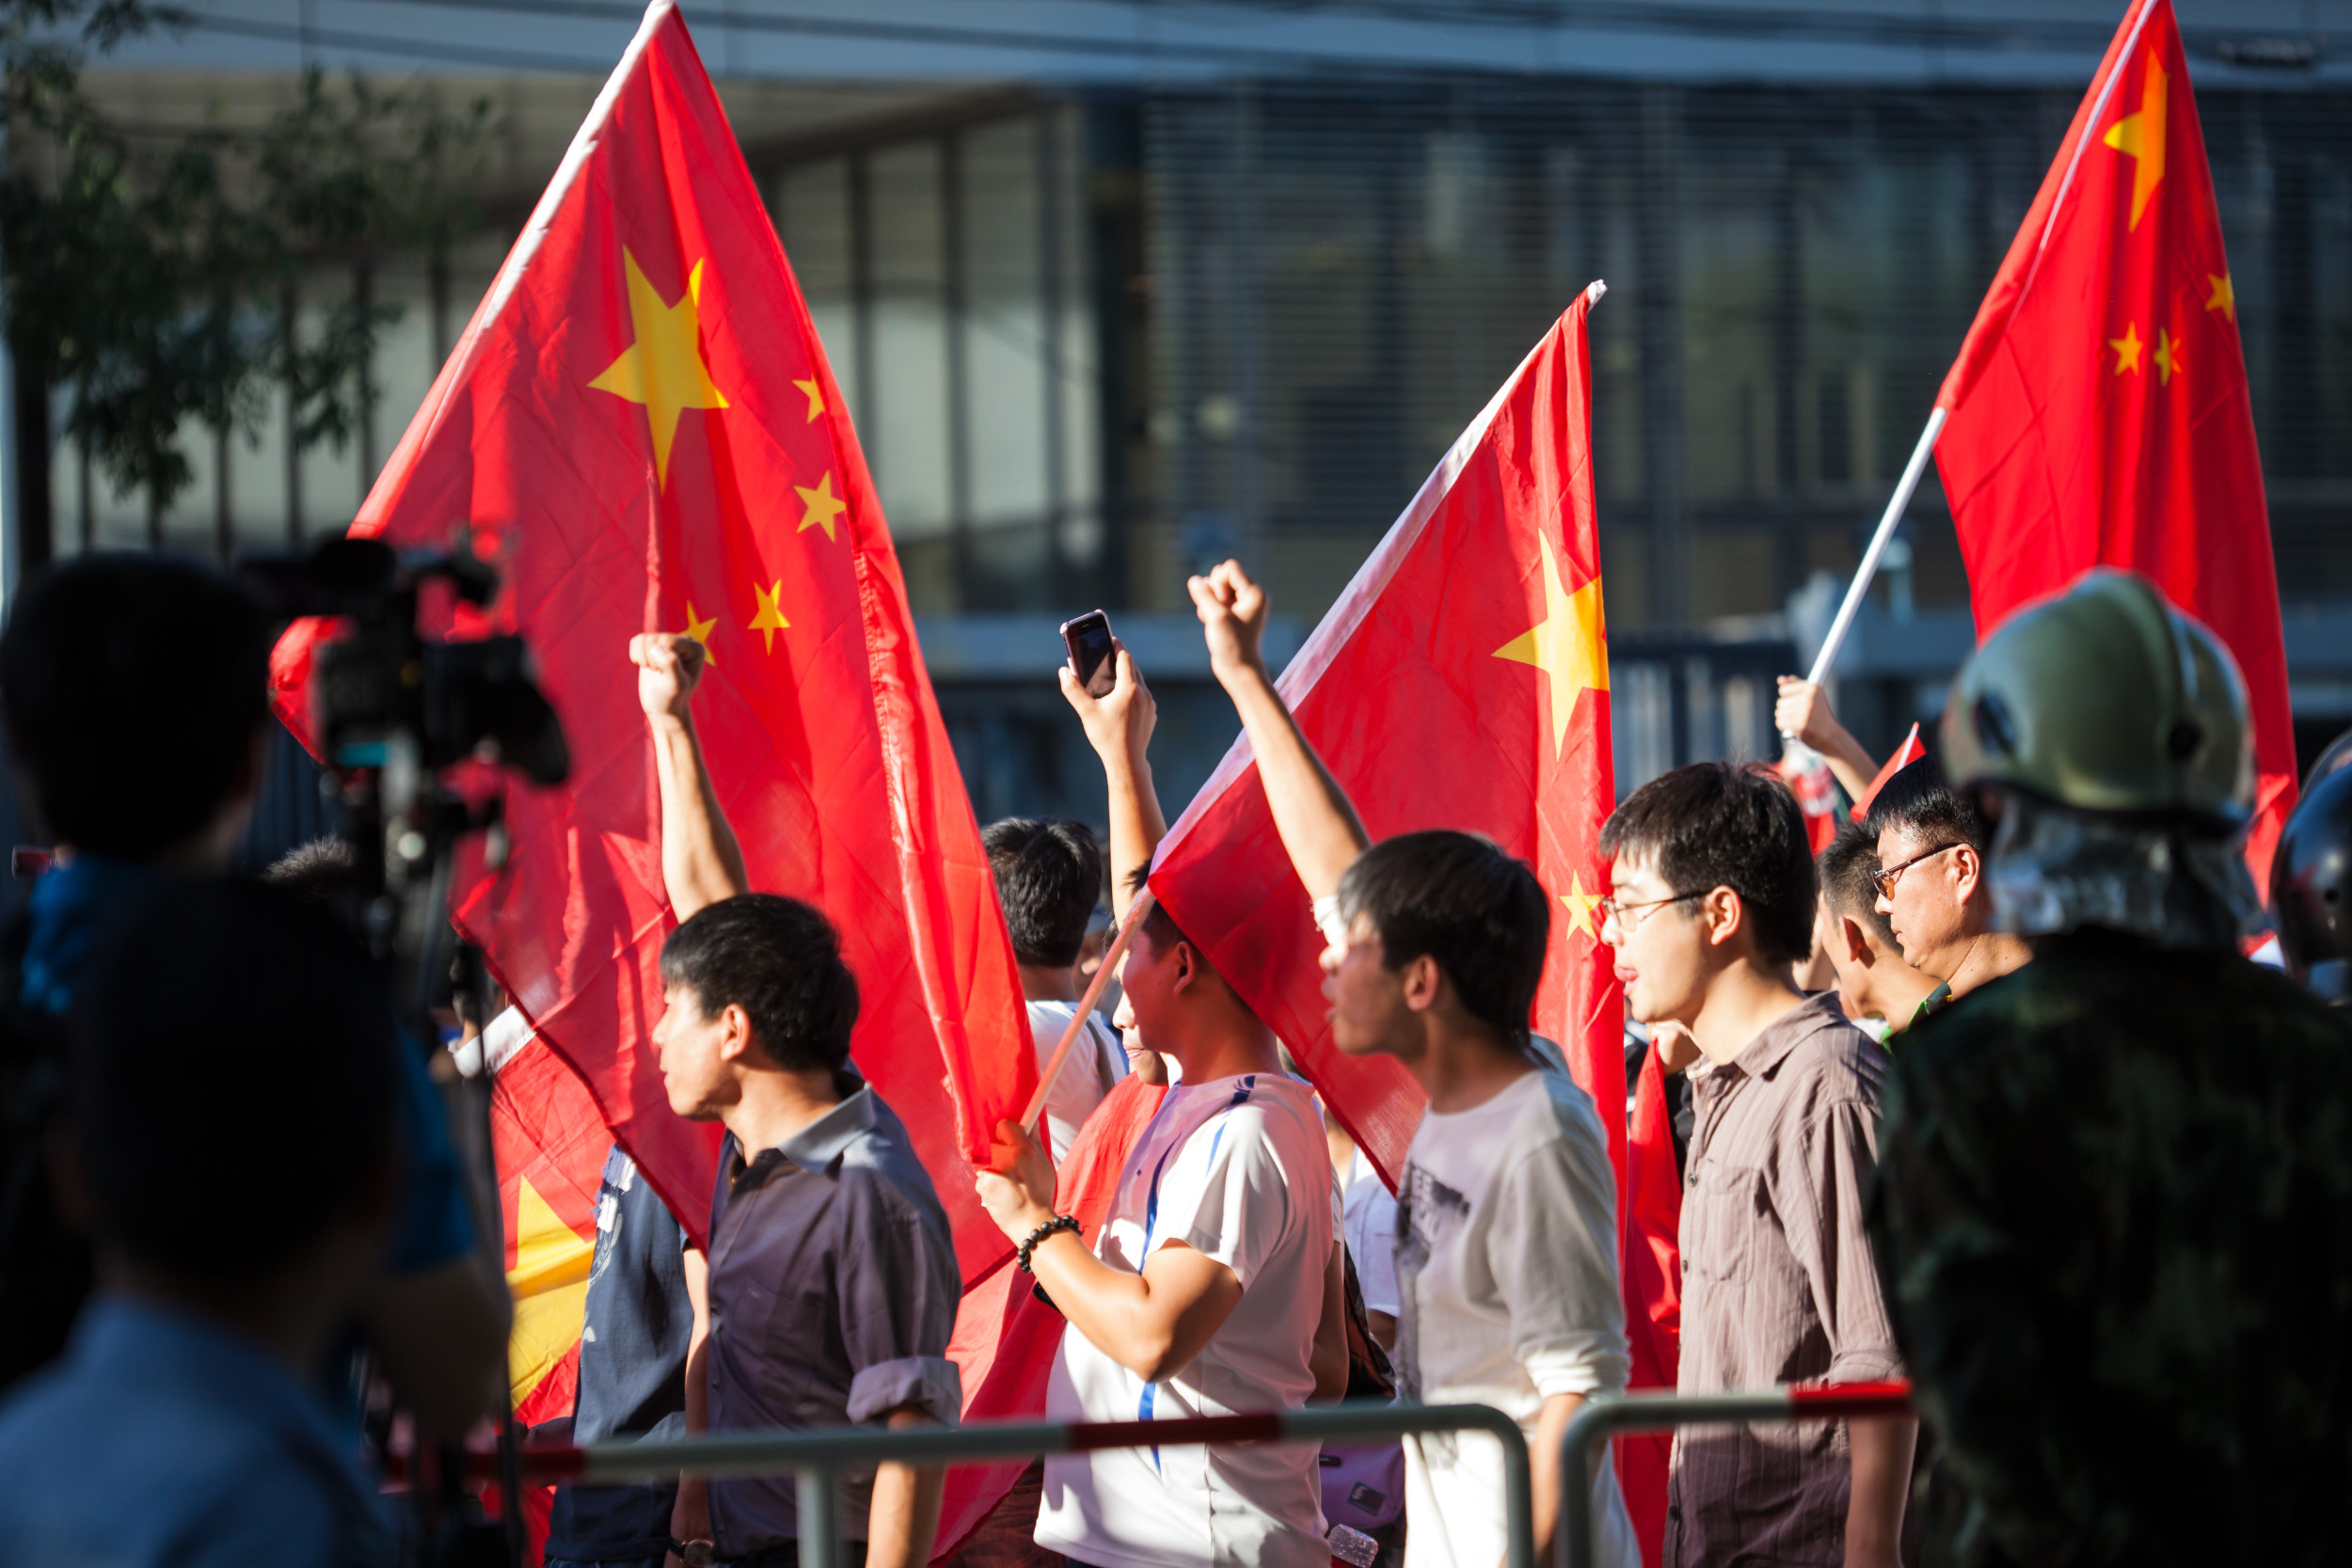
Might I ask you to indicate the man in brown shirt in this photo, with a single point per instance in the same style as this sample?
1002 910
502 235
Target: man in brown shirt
1711 901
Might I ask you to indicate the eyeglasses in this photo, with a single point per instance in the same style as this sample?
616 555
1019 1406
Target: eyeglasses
1885 880
1614 911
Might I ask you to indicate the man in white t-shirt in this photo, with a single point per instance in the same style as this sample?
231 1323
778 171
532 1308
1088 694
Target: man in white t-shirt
1506 1240
1049 877
1216 1286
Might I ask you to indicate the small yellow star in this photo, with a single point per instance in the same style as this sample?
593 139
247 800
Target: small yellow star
769 620
2127 349
699 629
1580 907
2168 356
2224 297
815 397
823 507
663 368
1569 646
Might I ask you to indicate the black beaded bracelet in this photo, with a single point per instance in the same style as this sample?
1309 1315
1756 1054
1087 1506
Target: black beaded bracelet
1060 1222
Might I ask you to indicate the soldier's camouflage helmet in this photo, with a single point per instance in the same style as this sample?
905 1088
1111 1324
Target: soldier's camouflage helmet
2106 698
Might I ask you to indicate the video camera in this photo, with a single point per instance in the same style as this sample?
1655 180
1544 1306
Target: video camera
393 711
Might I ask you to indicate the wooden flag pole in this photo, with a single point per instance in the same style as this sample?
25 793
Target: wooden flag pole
1118 949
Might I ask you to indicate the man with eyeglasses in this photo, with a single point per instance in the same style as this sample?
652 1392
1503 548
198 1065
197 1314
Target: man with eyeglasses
1711 901
1932 887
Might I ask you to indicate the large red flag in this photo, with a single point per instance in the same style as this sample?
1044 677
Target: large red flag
2098 414
642 411
1461 681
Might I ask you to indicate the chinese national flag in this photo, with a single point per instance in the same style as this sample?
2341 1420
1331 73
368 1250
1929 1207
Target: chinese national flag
2098 413
1911 751
642 412
1462 681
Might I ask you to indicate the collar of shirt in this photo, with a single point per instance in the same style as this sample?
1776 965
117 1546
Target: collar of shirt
145 1344
822 1142
1772 1043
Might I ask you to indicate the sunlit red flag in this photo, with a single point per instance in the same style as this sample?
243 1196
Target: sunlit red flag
641 410
2098 413
1911 751
1461 681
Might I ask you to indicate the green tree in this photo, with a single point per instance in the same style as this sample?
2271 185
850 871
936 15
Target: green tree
151 276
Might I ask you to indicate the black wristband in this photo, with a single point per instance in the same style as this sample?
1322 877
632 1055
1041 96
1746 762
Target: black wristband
1060 1222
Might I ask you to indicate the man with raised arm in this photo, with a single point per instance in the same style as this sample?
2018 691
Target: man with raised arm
832 1280
1216 1286
1506 1224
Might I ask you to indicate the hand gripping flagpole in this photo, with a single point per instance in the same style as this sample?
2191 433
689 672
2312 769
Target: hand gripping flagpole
1118 949
1868 569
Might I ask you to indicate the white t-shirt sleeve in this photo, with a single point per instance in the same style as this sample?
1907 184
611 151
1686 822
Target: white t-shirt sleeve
1551 1250
1372 1242
1232 1201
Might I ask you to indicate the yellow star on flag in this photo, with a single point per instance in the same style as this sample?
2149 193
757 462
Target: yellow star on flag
824 506
2168 355
769 620
700 631
2139 136
1580 907
2127 349
2224 297
663 368
1569 646
549 1284
815 397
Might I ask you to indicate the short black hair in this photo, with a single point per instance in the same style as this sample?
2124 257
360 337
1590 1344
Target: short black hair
324 873
1457 898
778 960
1049 877
1847 867
133 687
1724 824
234 1038
1919 800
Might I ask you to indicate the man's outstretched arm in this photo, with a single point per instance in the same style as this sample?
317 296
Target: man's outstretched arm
701 863
1319 826
1119 727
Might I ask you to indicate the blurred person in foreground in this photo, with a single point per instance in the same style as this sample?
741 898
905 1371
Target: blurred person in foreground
135 693
1218 1283
832 1285
1880 992
1049 878
1711 900
234 1041
1933 888
1505 1233
2115 1203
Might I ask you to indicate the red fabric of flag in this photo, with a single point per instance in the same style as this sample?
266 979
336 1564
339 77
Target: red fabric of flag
1911 751
1653 1296
1005 1337
1461 681
642 412
2098 413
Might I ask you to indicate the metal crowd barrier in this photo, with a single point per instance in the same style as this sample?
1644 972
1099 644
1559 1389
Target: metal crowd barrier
1609 1415
819 1456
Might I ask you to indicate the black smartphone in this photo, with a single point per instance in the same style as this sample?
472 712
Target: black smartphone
1091 652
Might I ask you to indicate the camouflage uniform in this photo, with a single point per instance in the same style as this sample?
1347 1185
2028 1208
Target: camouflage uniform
2113 1203
2115 1218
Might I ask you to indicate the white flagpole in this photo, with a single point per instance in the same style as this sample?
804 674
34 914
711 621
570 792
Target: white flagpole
1878 541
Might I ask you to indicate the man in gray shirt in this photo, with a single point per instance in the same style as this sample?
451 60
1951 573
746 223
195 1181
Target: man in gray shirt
833 1283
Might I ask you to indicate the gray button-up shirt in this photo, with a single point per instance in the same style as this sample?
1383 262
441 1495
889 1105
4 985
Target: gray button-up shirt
1778 1286
832 1292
